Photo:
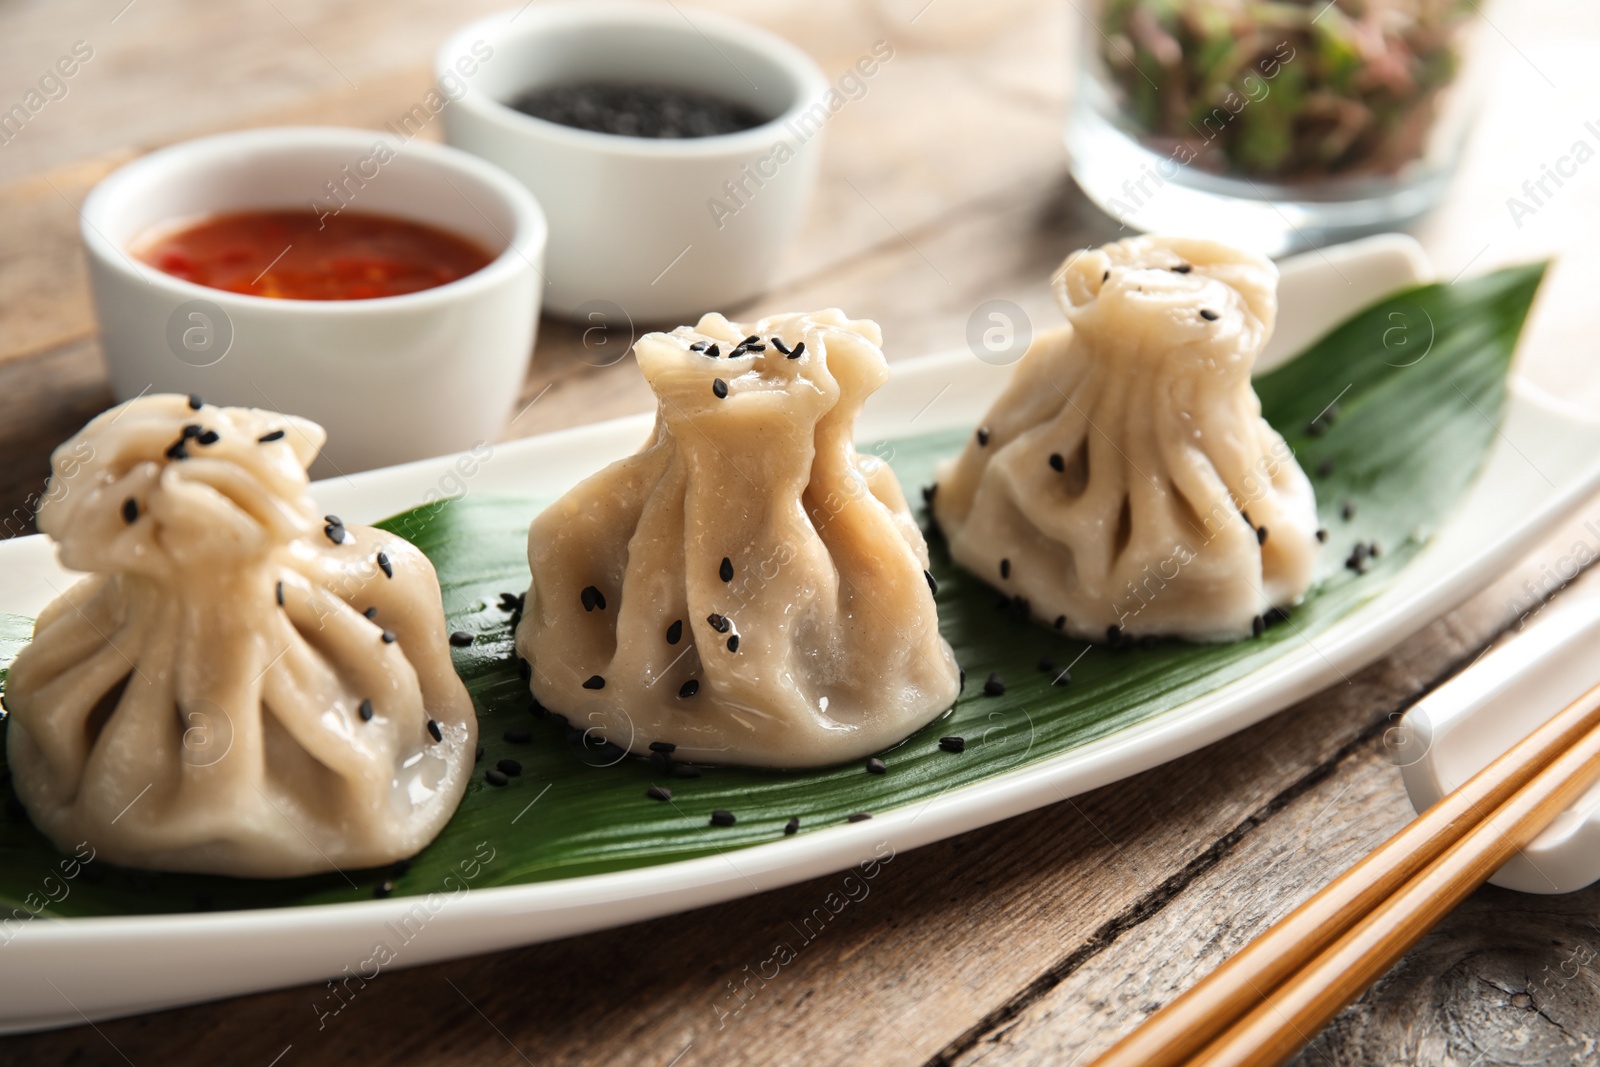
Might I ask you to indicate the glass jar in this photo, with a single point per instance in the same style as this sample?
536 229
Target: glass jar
1271 125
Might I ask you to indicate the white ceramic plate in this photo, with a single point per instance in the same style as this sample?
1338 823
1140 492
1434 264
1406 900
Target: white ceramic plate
58 972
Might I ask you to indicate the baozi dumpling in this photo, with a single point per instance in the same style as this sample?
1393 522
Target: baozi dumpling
1125 482
748 587
219 694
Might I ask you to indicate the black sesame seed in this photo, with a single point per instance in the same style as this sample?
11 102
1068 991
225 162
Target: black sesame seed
713 351
1347 511
860 816
719 388
365 711
929 492
372 612
875 766
1064 678
1276 615
656 792
725 572
1258 626
961 678
933 583
333 520
675 632
663 746
130 511
385 566
1182 268
191 430
1325 468
494 777
461 639
477 754
592 598
777 342
268 438
1322 535
595 682
699 346
721 817
953 744
1373 550
799 350
733 643
1114 634
383 889
685 770
280 594
1106 277
434 731
177 451
719 623
210 437
509 767
751 342
1061 621
388 637
983 435
195 403
1208 315
1058 462
1005 568
1261 535
1047 665
792 826
517 735
994 685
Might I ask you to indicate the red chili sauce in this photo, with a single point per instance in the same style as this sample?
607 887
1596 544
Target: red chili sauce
295 255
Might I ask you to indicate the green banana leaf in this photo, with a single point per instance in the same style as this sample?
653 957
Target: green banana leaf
1419 381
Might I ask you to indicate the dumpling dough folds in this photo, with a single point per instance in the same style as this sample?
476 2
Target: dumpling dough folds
173 714
748 586
1126 478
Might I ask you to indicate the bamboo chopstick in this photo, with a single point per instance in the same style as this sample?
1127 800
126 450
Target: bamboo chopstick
1287 1019
1235 989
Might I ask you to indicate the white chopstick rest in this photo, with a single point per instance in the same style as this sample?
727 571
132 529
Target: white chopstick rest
1464 724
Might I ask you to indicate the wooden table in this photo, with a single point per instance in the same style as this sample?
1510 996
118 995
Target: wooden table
1038 940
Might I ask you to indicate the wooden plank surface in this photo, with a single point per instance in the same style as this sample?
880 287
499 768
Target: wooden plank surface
1038 940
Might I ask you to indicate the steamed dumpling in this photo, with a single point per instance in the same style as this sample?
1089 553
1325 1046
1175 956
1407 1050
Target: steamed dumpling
748 586
1126 477
218 695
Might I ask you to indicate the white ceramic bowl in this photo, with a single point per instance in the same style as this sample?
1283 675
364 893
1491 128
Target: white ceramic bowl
632 221
393 378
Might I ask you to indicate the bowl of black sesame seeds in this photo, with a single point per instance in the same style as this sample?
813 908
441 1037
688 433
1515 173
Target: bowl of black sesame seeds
674 150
